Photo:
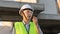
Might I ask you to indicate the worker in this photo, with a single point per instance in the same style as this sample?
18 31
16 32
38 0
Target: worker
26 26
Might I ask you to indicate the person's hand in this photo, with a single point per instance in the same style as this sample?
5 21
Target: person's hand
35 20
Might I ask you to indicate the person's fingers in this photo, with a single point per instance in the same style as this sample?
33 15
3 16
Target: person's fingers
35 20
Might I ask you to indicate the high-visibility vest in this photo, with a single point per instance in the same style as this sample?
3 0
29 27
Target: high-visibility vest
20 28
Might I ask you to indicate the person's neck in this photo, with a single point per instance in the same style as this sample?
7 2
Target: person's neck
26 21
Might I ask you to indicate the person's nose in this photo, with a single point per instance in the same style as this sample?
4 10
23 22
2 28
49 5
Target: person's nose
30 13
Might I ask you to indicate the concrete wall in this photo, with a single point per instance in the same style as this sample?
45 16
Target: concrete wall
50 6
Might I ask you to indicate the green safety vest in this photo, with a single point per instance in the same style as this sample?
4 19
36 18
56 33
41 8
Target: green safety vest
20 28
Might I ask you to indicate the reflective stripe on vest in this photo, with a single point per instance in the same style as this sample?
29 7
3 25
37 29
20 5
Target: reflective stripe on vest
20 28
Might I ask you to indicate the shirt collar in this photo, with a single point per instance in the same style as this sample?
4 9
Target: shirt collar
24 23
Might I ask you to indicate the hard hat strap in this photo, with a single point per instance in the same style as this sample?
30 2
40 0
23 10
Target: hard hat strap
24 15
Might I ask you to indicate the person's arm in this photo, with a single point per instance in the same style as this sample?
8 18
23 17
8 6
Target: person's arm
40 31
35 20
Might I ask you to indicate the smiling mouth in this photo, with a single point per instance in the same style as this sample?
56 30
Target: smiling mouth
29 16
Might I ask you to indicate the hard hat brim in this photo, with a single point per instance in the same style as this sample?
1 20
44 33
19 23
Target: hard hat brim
24 9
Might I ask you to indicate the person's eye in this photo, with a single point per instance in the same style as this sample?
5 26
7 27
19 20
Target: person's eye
31 12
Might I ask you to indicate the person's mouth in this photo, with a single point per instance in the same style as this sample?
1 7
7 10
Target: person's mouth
29 16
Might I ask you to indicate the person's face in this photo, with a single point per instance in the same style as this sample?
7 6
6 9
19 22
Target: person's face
28 14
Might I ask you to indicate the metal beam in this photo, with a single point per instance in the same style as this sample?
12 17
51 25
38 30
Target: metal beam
49 16
13 4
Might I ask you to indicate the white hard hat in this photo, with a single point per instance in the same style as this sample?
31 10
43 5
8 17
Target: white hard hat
26 6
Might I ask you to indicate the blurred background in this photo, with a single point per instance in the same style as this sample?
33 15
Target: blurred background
47 11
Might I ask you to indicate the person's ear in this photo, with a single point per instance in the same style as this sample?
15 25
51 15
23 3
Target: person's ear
21 14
